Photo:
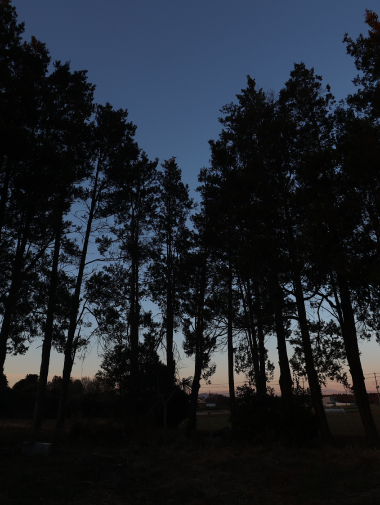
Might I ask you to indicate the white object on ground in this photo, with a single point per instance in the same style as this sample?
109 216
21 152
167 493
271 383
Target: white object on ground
37 448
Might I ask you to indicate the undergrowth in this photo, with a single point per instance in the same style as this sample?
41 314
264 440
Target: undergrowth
124 463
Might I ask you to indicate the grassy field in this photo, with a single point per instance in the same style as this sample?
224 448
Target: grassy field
107 463
350 425
341 425
213 421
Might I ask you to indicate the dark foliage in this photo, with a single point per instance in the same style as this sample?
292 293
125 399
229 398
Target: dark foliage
288 221
264 420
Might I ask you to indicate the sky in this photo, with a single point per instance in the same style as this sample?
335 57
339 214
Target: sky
173 64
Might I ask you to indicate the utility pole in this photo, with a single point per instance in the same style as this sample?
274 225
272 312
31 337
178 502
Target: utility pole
377 387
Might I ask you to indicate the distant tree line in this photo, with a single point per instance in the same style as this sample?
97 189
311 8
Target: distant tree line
288 224
95 398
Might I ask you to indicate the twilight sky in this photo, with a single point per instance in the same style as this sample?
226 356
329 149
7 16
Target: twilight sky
174 63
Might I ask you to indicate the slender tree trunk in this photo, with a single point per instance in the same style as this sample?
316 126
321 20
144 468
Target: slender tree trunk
253 348
262 350
16 282
192 423
252 338
46 346
312 375
286 382
69 347
170 314
353 358
198 366
66 374
170 334
337 301
4 194
230 347
134 325
315 388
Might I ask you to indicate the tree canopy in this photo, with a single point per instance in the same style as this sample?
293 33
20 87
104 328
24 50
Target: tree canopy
284 244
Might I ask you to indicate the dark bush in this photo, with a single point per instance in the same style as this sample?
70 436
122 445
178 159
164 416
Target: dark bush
263 420
100 406
174 400
177 408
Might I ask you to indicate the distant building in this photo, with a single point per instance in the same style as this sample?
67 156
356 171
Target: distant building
201 404
338 401
329 401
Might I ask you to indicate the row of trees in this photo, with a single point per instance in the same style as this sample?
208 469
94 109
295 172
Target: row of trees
290 212
97 397
61 156
288 221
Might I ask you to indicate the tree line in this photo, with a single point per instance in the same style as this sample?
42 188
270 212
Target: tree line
288 221
62 155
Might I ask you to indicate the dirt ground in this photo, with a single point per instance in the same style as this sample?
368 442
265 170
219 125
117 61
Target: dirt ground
108 463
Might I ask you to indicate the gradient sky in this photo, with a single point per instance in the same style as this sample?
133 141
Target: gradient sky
174 63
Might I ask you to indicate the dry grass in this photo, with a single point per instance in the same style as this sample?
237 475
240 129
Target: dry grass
213 422
350 424
103 463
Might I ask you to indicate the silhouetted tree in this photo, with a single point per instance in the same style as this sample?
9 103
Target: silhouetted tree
172 241
112 148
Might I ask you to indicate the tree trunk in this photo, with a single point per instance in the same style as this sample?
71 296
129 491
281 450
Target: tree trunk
192 423
170 334
230 347
353 358
286 382
262 350
16 282
169 314
198 366
69 348
4 194
315 388
134 326
252 338
46 346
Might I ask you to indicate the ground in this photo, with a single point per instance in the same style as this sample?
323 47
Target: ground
107 463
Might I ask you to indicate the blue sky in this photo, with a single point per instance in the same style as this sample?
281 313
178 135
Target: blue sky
174 63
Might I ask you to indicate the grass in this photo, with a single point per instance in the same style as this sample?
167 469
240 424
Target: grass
341 425
110 463
349 424
213 422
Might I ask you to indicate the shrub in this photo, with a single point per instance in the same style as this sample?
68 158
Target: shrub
263 420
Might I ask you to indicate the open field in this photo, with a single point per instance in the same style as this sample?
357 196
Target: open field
213 421
349 424
341 425
104 463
